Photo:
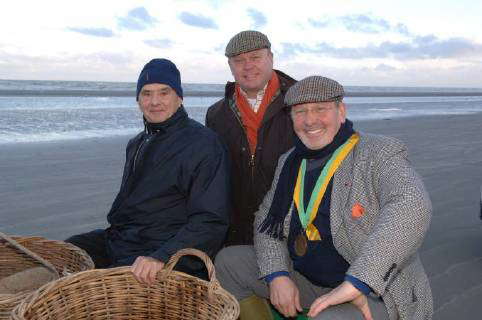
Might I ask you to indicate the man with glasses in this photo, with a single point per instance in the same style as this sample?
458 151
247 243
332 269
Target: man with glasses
339 231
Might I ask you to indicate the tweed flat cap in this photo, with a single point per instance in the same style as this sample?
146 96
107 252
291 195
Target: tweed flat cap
246 41
314 89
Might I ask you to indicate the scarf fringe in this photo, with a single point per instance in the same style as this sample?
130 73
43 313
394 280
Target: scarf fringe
273 226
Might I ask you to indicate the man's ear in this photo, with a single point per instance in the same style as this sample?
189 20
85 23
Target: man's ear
342 110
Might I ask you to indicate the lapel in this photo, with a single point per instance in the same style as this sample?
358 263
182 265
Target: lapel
342 186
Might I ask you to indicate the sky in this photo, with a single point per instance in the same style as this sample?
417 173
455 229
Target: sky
370 43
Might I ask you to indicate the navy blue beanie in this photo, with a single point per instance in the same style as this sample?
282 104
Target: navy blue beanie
160 71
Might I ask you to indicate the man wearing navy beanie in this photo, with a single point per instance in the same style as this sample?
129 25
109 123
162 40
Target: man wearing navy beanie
159 74
174 190
160 71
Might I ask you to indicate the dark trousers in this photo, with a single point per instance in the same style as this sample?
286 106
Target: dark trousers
95 244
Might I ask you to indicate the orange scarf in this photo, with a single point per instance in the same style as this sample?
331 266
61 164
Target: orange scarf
252 120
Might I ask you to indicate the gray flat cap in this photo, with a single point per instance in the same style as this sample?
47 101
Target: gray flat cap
246 41
314 89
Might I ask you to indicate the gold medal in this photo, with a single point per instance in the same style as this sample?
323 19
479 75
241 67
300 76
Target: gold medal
301 244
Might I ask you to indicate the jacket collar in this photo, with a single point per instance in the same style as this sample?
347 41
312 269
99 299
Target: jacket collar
177 120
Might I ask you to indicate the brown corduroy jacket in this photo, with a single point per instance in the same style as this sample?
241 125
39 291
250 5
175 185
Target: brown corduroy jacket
251 175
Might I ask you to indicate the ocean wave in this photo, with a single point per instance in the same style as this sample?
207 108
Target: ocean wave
68 107
385 109
58 136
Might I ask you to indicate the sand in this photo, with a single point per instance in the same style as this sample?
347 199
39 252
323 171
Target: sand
57 189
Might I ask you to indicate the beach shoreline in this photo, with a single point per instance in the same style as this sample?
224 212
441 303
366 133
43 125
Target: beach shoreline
56 189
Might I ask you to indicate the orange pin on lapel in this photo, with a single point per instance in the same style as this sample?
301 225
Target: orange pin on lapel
357 210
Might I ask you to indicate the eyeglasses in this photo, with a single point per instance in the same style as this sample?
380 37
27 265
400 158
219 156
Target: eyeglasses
317 110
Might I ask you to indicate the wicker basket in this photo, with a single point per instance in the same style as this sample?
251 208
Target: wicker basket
115 294
16 255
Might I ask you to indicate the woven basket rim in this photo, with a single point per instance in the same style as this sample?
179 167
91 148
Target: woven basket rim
8 300
65 245
166 274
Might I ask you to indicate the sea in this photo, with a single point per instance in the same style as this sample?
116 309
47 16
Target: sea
38 111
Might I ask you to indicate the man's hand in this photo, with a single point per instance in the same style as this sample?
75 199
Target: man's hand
145 269
345 292
284 296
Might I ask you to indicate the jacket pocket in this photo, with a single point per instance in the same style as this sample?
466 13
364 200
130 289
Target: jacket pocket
405 296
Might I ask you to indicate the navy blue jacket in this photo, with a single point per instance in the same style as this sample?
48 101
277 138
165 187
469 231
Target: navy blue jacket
174 194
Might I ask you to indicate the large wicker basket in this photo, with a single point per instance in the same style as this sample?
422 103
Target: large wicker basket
64 257
103 294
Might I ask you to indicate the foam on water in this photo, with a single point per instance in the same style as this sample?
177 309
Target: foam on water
59 136
385 109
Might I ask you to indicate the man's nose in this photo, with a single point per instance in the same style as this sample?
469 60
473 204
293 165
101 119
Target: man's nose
156 99
311 117
247 65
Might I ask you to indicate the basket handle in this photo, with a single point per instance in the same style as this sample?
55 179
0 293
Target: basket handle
31 254
213 282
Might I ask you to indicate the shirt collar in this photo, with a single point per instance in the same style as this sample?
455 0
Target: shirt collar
255 103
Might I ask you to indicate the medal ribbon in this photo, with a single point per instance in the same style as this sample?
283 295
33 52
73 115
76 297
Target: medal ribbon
307 217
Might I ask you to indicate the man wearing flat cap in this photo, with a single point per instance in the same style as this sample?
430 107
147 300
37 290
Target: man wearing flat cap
254 122
339 230
174 190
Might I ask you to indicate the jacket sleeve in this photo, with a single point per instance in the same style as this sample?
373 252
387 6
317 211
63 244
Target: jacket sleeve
403 220
205 181
272 254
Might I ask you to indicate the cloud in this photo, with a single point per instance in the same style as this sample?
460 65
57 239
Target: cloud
412 74
137 19
430 47
159 43
364 23
382 67
105 59
293 49
220 47
197 21
401 28
258 17
95 32
318 23
422 47
97 66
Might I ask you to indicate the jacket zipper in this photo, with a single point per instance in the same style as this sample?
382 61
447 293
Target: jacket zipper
137 153
251 164
252 156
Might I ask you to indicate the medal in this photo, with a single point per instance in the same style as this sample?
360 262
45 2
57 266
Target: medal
307 215
301 244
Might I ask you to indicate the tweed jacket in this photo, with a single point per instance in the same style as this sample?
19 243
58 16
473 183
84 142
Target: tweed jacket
379 215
